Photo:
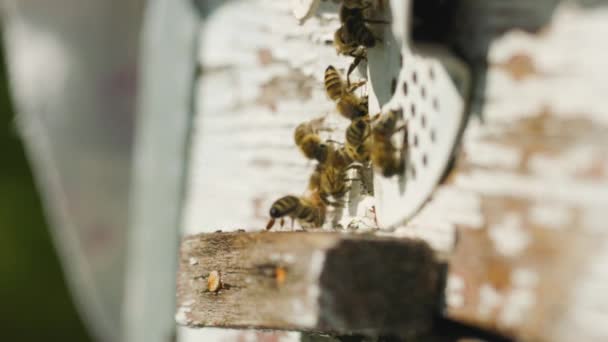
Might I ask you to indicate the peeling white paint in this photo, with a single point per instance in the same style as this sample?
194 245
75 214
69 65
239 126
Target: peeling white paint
454 291
492 155
594 219
489 300
538 188
550 216
516 307
181 316
193 261
569 162
520 299
586 318
242 156
457 206
509 236
571 31
524 278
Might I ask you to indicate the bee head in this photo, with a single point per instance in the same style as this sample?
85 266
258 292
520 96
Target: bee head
274 212
321 152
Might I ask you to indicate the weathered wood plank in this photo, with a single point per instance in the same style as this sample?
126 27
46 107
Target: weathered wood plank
309 281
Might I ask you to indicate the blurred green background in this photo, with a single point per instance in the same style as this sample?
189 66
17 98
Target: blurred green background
35 303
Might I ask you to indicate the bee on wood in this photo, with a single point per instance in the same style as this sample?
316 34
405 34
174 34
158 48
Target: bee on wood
312 210
309 142
354 37
306 210
385 156
348 103
358 140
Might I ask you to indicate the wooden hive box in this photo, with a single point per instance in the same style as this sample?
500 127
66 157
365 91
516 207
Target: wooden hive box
518 219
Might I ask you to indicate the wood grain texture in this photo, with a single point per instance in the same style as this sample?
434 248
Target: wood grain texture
309 281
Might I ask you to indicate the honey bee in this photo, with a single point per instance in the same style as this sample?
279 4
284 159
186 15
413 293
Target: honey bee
309 142
307 210
358 140
385 156
333 176
354 37
314 181
348 103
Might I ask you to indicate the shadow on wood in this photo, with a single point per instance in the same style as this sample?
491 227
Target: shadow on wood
309 281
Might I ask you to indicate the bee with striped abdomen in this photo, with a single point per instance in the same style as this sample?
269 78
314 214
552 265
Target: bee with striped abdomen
348 103
334 180
386 157
309 142
354 37
306 210
358 140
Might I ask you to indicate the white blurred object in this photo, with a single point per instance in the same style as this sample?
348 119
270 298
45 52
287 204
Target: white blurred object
72 68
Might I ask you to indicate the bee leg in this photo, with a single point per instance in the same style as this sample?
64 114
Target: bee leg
375 117
292 223
373 210
352 67
355 86
401 128
282 222
270 224
334 142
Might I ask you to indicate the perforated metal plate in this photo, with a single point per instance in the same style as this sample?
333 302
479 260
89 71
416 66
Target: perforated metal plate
430 87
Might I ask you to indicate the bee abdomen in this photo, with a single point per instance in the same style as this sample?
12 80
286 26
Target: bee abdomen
356 132
351 108
301 131
309 145
284 206
306 213
333 83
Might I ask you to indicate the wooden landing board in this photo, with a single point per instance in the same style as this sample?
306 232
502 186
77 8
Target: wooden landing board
326 282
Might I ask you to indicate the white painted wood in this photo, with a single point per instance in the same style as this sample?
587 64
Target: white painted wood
260 80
